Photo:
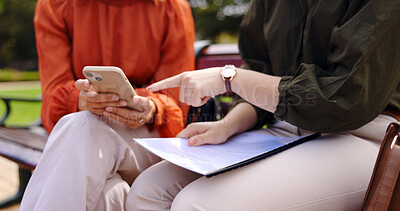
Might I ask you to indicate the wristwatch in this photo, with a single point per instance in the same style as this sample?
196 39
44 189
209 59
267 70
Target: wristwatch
228 72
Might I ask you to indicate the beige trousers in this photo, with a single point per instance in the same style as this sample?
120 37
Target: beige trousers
87 164
329 173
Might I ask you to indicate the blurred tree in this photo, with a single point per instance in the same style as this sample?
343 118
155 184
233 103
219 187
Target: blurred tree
17 37
216 18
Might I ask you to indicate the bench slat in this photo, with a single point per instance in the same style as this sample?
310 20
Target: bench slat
25 157
23 137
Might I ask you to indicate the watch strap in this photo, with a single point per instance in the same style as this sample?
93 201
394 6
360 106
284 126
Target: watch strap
228 72
228 85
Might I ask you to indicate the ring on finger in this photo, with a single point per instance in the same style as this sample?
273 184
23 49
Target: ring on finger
141 120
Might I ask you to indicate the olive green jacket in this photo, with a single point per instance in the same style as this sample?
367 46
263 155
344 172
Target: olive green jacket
339 59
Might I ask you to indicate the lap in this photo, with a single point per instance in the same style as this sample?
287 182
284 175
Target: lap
328 173
88 161
105 145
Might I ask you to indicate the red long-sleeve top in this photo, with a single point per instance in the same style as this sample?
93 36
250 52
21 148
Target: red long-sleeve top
149 39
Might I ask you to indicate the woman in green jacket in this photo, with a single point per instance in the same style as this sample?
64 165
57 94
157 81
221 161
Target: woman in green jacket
310 66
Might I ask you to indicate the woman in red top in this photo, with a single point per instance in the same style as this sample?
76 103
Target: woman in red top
90 157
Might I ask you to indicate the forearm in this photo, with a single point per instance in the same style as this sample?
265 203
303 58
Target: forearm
241 118
257 88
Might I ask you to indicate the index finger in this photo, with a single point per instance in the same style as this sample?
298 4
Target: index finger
83 84
174 81
192 130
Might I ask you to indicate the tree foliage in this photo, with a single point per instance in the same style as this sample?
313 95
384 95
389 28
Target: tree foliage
17 38
214 17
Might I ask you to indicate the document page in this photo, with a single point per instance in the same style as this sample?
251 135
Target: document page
209 158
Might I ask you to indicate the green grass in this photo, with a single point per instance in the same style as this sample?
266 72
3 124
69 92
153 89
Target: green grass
28 93
22 113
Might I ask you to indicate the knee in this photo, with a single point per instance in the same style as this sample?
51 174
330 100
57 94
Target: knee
114 194
74 128
190 200
133 200
81 119
138 195
79 122
144 194
156 187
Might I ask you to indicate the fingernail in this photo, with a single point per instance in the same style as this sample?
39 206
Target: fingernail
192 142
109 109
123 103
149 88
114 98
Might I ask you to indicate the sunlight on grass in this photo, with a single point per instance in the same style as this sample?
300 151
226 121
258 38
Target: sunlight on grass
22 113
7 74
31 93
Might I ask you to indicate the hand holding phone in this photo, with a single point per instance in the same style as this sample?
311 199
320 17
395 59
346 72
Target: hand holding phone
110 79
109 93
93 101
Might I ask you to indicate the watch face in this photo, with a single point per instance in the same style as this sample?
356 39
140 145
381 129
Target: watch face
228 71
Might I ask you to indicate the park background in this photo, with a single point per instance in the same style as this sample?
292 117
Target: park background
215 20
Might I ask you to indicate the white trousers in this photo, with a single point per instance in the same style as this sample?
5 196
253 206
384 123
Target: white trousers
329 173
88 164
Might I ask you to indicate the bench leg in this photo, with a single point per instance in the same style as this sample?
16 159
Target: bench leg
24 176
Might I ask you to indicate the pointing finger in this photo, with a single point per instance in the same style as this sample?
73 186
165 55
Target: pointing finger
174 81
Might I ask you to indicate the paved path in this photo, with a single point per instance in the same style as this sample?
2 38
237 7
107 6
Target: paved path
8 181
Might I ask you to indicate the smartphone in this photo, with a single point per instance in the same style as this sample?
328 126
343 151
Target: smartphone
110 79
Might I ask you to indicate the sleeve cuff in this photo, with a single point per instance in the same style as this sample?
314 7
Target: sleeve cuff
158 119
281 108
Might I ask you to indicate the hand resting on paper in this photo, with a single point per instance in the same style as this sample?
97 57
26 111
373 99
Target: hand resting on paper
206 133
241 118
109 105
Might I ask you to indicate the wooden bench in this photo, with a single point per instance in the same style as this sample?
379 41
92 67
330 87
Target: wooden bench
24 146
